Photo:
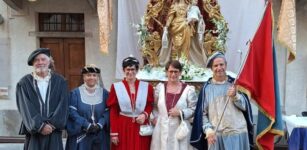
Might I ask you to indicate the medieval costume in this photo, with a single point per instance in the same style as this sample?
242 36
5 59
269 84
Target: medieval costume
163 137
124 108
236 128
42 101
86 108
88 121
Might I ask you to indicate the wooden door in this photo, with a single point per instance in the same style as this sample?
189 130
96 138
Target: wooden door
69 57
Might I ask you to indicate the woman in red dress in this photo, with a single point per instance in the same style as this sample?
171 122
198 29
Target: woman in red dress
130 102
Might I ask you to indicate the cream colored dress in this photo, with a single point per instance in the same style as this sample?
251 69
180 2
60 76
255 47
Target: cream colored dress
163 137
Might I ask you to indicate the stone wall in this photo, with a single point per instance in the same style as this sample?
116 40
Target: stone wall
18 40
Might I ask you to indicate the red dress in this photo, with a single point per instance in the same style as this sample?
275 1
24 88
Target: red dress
125 127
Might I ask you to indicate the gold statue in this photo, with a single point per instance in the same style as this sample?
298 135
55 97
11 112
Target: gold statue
209 43
153 45
153 9
181 27
213 11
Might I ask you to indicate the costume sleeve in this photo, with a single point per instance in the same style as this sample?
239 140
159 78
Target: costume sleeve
104 120
197 133
59 117
191 103
30 115
150 101
73 111
112 103
155 111
240 101
206 123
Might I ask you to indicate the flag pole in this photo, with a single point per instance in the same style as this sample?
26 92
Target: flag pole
228 97
240 70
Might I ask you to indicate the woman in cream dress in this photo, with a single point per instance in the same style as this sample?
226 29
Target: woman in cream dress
171 98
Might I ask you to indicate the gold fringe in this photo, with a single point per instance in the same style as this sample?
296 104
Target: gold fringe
269 127
292 53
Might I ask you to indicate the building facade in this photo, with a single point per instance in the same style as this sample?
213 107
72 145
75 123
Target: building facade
70 29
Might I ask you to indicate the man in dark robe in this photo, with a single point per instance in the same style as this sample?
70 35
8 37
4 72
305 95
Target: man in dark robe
42 101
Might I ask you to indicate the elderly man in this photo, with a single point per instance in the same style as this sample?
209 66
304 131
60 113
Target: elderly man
233 131
42 101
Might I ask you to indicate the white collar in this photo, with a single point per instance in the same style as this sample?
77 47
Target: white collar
219 82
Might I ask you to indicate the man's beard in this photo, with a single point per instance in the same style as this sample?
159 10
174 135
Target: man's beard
42 69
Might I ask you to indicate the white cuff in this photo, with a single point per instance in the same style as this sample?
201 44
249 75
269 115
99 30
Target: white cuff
209 132
88 127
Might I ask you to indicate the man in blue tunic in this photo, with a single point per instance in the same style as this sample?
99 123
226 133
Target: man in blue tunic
42 101
233 131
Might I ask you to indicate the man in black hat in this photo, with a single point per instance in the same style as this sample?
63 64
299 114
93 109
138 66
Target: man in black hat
42 101
234 129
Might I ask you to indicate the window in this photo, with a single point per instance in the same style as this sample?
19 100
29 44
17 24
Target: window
59 22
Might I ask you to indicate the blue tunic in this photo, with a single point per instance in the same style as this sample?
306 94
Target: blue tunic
197 136
80 118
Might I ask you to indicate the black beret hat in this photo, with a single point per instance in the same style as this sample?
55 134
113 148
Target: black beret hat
90 69
38 51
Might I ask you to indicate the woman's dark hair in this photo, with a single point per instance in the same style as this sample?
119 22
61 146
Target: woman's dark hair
130 61
174 63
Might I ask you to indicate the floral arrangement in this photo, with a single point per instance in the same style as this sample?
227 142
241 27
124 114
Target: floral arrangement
190 72
222 31
142 32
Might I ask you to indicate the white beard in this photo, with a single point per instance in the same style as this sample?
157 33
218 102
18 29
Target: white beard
40 70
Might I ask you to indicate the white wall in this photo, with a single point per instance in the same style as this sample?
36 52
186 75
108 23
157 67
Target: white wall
4 48
4 26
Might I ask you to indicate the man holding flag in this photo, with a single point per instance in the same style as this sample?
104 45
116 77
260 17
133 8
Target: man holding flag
223 115
258 80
